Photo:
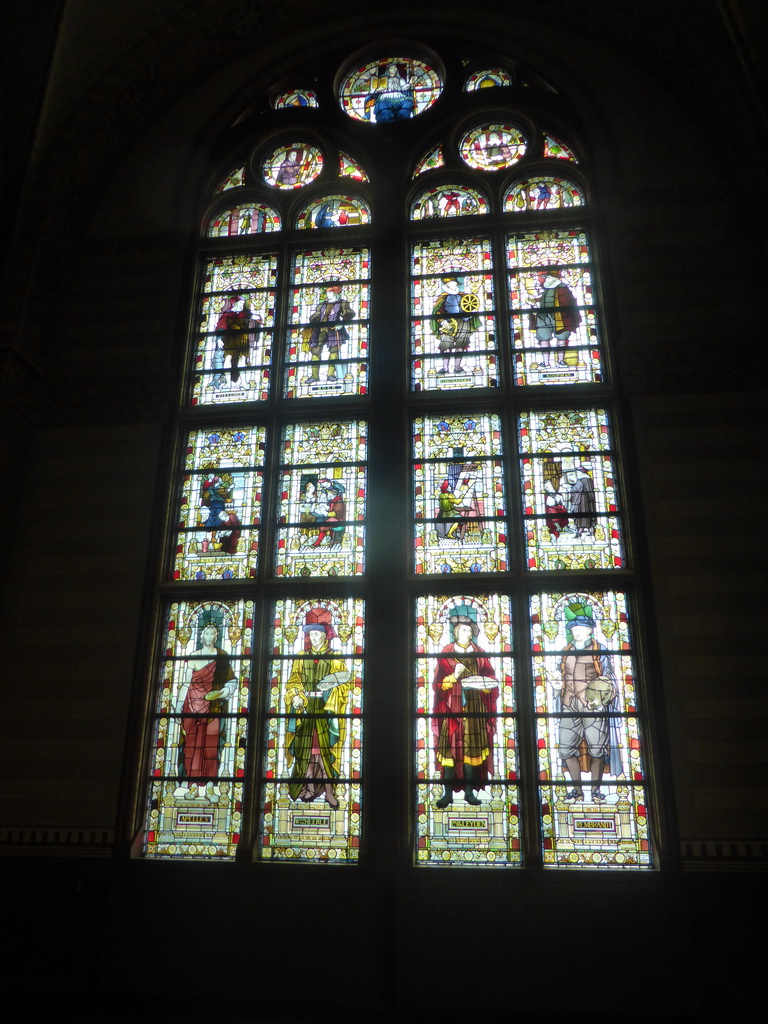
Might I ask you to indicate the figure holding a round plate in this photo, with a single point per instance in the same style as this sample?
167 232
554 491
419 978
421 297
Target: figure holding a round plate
466 694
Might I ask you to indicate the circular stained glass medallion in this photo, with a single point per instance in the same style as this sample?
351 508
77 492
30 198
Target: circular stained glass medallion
492 147
292 166
390 89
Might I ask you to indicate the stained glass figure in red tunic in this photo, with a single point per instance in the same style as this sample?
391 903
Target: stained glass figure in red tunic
465 698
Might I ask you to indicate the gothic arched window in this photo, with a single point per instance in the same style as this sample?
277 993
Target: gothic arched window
397 493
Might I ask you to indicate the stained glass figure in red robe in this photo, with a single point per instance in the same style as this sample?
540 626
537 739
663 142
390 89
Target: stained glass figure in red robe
465 698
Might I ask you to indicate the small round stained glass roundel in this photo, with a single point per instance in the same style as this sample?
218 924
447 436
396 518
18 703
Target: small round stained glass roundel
292 166
390 89
492 147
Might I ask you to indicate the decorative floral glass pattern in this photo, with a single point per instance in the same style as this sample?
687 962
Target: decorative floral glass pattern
492 147
543 193
557 150
246 219
569 490
234 179
454 324
349 168
335 211
467 799
448 201
431 160
220 504
200 731
593 803
390 89
329 314
321 528
235 329
458 495
313 737
292 166
553 323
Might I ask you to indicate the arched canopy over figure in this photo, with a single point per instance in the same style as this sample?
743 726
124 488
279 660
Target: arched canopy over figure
465 699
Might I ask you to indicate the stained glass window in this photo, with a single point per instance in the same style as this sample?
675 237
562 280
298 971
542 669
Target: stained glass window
592 795
449 201
312 770
200 730
458 484
492 147
334 211
487 78
220 504
415 380
295 98
558 150
349 168
431 160
553 318
293 165
234 179
246 219
235 327
322 500
543 193
569 490
467 797
328 340
453 326
390 89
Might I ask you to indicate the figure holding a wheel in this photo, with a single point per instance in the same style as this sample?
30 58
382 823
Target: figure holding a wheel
454 323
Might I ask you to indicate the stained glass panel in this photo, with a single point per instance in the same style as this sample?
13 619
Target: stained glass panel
453 326
492 147
245 219
467 801
488 78
558 150
459 500
349 168
432 159
292 166
197 760
313 742
235 329
390 89
543 193
554 326
322 500
328 341
569 490
448 201
593 805
336 211
295 98
234 179
220 504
